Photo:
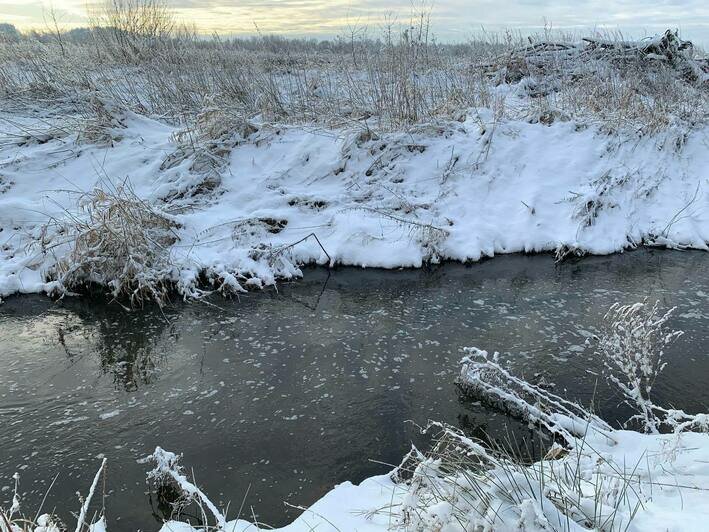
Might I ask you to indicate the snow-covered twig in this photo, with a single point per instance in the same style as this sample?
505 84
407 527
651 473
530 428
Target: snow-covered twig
80 523
482 376
167 467
632 347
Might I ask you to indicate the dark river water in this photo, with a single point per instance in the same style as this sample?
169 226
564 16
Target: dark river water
280 395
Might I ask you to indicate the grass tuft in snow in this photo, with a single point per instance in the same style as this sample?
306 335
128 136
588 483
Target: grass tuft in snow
116 239
468 484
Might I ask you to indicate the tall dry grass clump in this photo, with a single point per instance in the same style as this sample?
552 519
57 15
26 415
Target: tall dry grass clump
114 239
132 30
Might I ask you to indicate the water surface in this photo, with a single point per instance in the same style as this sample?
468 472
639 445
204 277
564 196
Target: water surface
281 394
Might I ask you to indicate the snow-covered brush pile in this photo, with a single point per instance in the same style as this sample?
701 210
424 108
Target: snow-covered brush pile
483 376
592 478
113 239
631 346
602 480
646 85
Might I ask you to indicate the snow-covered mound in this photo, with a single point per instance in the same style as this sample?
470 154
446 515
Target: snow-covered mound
262 199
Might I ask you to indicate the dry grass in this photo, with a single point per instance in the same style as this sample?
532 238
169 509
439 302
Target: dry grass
114 239
15 520
476 485
402 77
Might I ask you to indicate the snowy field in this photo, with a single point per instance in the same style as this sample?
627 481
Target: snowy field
104 187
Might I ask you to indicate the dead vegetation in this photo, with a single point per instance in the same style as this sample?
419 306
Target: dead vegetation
650 85
114 239
15 519
143 61
205 147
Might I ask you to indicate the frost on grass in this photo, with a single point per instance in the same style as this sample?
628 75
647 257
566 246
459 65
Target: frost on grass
114 239
633 345
16 520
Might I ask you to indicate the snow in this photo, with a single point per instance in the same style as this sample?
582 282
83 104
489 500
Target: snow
345 507
452 190
81 521
109 415
670 477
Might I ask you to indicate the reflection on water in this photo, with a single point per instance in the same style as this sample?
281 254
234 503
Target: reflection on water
284 393
130 354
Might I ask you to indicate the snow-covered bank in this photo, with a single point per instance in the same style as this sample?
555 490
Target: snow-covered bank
653 483
264 199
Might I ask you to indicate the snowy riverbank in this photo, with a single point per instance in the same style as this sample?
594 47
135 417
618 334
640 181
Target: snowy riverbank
276 197
661 481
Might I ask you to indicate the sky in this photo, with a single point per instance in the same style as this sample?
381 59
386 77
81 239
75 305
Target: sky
452 20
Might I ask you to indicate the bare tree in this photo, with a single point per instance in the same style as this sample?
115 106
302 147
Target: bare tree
133 26
52 23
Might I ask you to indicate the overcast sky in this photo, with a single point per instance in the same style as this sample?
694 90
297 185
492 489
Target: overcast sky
453 20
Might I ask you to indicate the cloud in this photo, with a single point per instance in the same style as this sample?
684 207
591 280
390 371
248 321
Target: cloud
452 19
